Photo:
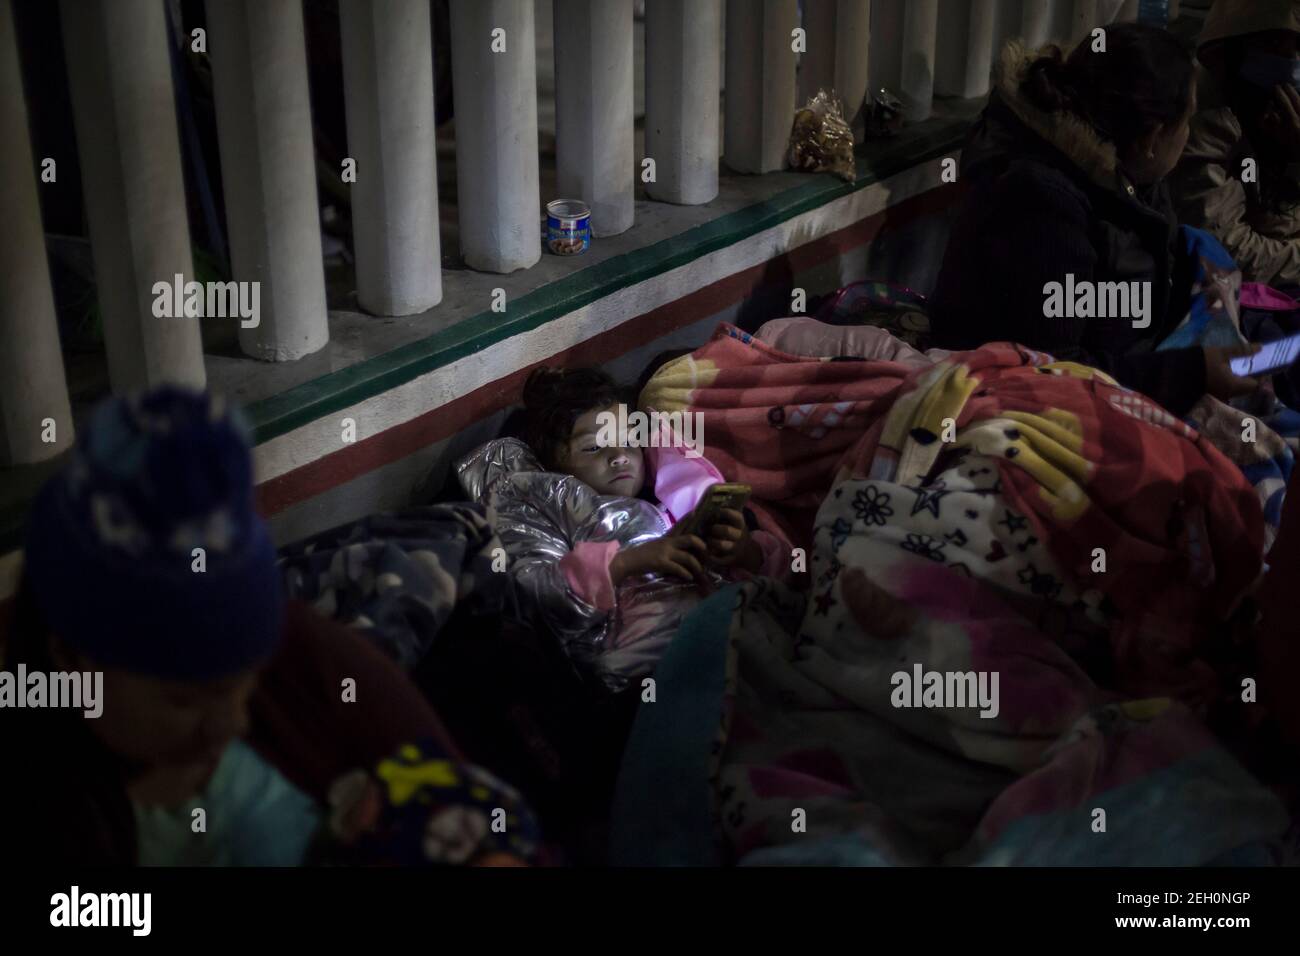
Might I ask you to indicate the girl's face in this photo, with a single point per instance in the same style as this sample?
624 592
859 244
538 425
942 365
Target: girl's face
593 455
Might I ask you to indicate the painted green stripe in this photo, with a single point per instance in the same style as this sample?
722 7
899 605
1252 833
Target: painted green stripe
346 387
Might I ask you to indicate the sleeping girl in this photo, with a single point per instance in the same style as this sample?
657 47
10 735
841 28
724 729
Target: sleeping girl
599 554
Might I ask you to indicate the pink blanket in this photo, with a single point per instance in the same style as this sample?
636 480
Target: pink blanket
776 421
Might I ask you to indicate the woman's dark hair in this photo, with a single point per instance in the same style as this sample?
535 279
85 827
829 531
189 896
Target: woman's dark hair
1141 81
555 398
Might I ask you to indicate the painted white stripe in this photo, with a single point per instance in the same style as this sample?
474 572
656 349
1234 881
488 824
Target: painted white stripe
303 445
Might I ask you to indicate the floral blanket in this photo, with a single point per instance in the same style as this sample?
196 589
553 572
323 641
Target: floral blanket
1129 502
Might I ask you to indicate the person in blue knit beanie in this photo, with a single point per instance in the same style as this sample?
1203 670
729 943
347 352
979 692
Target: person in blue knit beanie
148 566
146 562
146 552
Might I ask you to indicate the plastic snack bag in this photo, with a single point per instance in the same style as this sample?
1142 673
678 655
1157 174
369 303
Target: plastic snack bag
820 140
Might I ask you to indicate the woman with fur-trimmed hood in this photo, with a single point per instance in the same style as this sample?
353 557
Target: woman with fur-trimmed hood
1065 172
1248 87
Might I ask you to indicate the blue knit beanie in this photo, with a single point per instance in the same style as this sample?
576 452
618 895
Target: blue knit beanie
110 543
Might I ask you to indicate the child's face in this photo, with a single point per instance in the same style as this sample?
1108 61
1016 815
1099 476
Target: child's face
607 467
173 731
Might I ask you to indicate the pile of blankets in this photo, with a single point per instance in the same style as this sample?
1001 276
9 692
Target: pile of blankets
991 512
1127 499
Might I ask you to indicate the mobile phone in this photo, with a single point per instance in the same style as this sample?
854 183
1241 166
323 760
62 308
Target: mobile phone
1270 358
716 498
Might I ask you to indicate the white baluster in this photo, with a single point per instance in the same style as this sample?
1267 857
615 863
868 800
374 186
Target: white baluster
125 116
594 127
885 61
498 192
965 47
33 387
388 92
839 39
683 73
268 171
760 83
916 80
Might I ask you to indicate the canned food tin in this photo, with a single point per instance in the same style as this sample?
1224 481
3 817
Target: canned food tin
568 227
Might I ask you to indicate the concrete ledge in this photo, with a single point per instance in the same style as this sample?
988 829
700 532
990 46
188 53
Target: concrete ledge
284 397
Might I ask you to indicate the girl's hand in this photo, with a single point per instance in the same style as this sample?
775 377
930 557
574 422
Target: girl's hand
730 543
674 555
1220 380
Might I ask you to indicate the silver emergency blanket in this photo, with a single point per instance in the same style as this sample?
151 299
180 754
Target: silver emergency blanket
540 516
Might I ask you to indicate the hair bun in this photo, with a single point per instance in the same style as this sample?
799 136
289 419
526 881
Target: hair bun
1142 80
1046 84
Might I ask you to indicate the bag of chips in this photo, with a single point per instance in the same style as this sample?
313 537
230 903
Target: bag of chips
820 140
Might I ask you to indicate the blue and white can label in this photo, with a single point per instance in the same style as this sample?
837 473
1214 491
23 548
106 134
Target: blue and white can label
568 227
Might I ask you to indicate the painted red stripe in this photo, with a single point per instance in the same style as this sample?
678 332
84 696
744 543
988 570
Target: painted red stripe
397 442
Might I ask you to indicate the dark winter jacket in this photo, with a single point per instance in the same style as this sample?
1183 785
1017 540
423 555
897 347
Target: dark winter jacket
1046 198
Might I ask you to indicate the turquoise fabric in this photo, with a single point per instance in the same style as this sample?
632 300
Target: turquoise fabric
253 817
662 812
